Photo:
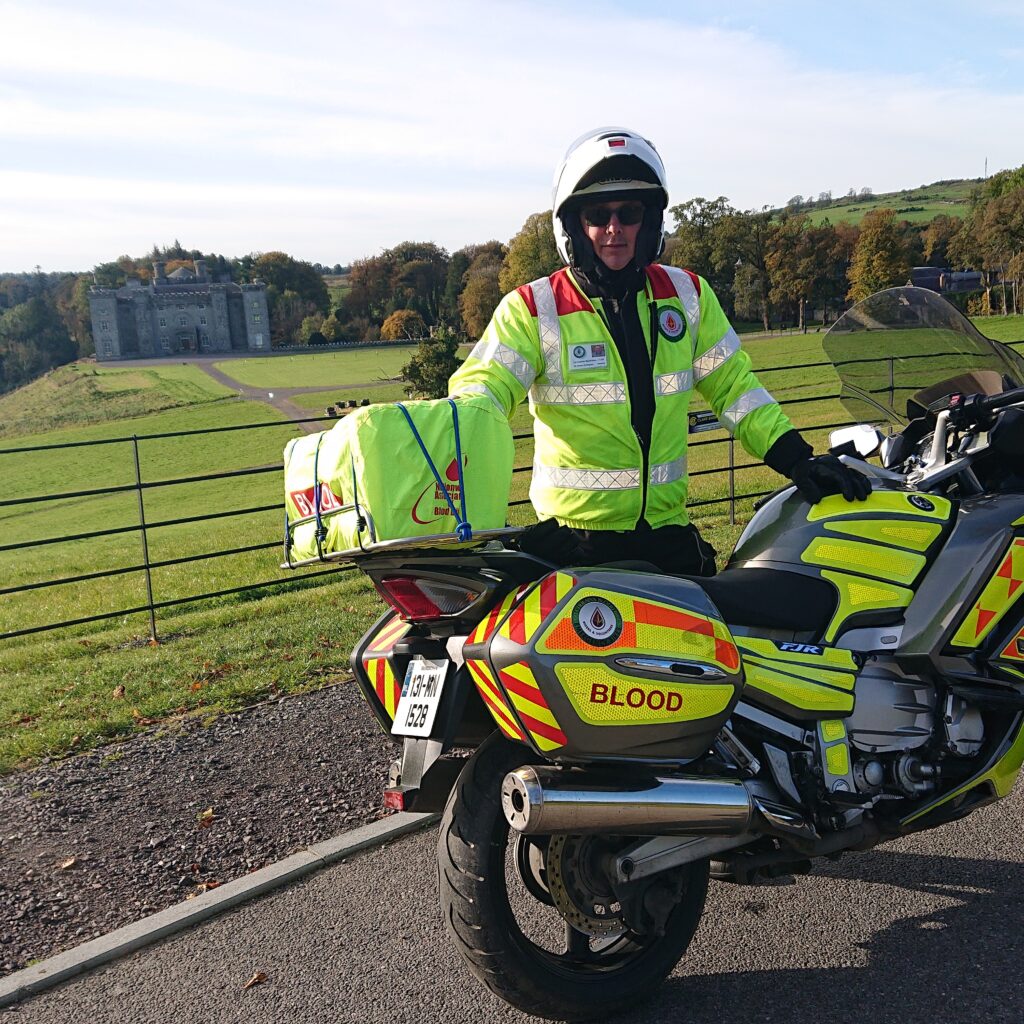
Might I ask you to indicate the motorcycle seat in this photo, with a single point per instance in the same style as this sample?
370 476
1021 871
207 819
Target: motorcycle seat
769 598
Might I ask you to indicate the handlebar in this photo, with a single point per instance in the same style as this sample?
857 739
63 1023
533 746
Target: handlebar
977 410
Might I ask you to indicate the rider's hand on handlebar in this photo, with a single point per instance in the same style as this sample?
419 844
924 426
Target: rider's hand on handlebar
825 474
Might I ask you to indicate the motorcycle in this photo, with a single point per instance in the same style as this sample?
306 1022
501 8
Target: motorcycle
604 739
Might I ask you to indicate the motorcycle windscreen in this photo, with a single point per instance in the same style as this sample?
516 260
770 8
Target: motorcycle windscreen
900 344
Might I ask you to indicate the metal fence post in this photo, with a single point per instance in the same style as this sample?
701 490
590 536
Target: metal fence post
892 383
732 481
145 542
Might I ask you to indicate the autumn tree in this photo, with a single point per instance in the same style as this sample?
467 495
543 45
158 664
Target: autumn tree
33 339
531 253
403 325
433 363
937 236
880 259
695 241
481 294
801 262
294 291
744 240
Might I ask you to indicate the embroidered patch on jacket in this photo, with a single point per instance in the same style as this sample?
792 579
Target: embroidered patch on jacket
673 326
593 356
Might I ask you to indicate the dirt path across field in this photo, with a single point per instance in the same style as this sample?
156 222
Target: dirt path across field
279 398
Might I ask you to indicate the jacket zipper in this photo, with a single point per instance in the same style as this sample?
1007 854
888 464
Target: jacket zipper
644 453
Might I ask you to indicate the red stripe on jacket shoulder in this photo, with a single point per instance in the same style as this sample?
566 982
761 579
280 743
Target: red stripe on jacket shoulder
661 284
526 294
568 298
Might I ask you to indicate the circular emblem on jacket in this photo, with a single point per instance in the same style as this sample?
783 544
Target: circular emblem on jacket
918 501
579 351
597 622
673 326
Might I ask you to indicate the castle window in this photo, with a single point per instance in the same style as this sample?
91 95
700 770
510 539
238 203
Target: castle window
165 343
183 321
202 320
163 321
181 305
257 340
257 318
104 326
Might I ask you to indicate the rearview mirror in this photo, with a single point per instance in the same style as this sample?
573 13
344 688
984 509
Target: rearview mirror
864 440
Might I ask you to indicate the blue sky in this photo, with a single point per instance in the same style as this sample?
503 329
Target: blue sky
334 129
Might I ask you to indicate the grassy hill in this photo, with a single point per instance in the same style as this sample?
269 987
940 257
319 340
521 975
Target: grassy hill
918 205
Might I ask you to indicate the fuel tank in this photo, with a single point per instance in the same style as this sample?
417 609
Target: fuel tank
875 553
607 664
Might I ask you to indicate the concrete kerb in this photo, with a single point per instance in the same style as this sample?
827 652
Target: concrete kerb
131 937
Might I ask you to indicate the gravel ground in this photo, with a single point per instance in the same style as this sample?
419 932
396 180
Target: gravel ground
103 839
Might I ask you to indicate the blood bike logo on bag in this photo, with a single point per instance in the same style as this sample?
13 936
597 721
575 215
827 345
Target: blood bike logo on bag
431 506
597 622
305 501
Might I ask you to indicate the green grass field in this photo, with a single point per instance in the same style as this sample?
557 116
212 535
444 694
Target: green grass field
917 205
358 366
60 692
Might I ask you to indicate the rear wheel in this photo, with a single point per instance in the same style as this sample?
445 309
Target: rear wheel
538 921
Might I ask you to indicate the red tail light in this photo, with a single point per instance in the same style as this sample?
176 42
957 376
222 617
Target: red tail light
418 600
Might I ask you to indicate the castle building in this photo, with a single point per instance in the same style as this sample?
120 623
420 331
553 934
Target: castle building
183 312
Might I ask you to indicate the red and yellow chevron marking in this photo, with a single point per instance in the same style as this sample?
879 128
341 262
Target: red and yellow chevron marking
1001 591
648 627
387 687
527 618
389 635
491 696
522 689
488 625
1014 650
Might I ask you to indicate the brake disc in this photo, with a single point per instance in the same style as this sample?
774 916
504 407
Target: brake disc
531 863
579 886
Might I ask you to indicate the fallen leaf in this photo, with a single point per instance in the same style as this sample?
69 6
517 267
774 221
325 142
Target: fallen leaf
140 719
205 818
69 863
75 740
119 691
257 979
197 685
210 883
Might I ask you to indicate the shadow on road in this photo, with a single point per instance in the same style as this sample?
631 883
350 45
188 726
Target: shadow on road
957 963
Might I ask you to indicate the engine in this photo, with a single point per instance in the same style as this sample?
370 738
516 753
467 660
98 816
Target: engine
901 729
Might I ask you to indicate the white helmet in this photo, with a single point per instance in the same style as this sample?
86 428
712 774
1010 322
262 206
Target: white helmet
608 163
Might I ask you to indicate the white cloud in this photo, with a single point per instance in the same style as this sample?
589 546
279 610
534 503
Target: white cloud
208 123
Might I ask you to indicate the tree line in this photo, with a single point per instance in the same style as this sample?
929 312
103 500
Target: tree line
769 267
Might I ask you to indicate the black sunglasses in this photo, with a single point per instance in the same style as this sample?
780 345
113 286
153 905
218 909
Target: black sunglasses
600 216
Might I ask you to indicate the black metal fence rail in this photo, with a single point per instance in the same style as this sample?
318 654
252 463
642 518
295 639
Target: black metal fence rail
143 527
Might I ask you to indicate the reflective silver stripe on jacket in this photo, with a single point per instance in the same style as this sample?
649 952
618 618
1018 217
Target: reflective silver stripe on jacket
478 389
726 347
688 296
586 479
580 394
495 352
607 479
549 330
668 472
673 383
747 403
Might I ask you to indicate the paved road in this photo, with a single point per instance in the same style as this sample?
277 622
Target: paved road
924 931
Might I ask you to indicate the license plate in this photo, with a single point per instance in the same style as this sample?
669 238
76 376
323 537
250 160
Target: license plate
421 696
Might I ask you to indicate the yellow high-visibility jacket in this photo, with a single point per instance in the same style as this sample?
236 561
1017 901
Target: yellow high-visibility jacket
547 341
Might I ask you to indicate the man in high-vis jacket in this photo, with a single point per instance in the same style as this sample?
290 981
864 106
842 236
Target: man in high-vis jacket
608 350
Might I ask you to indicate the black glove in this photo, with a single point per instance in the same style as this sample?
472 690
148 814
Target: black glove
825 474
549 541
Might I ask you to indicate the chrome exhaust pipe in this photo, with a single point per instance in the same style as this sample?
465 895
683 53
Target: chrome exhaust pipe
544 800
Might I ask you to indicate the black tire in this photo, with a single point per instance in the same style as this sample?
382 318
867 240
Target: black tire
473 847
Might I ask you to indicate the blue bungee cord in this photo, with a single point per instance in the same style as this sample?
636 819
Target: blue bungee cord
463 530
